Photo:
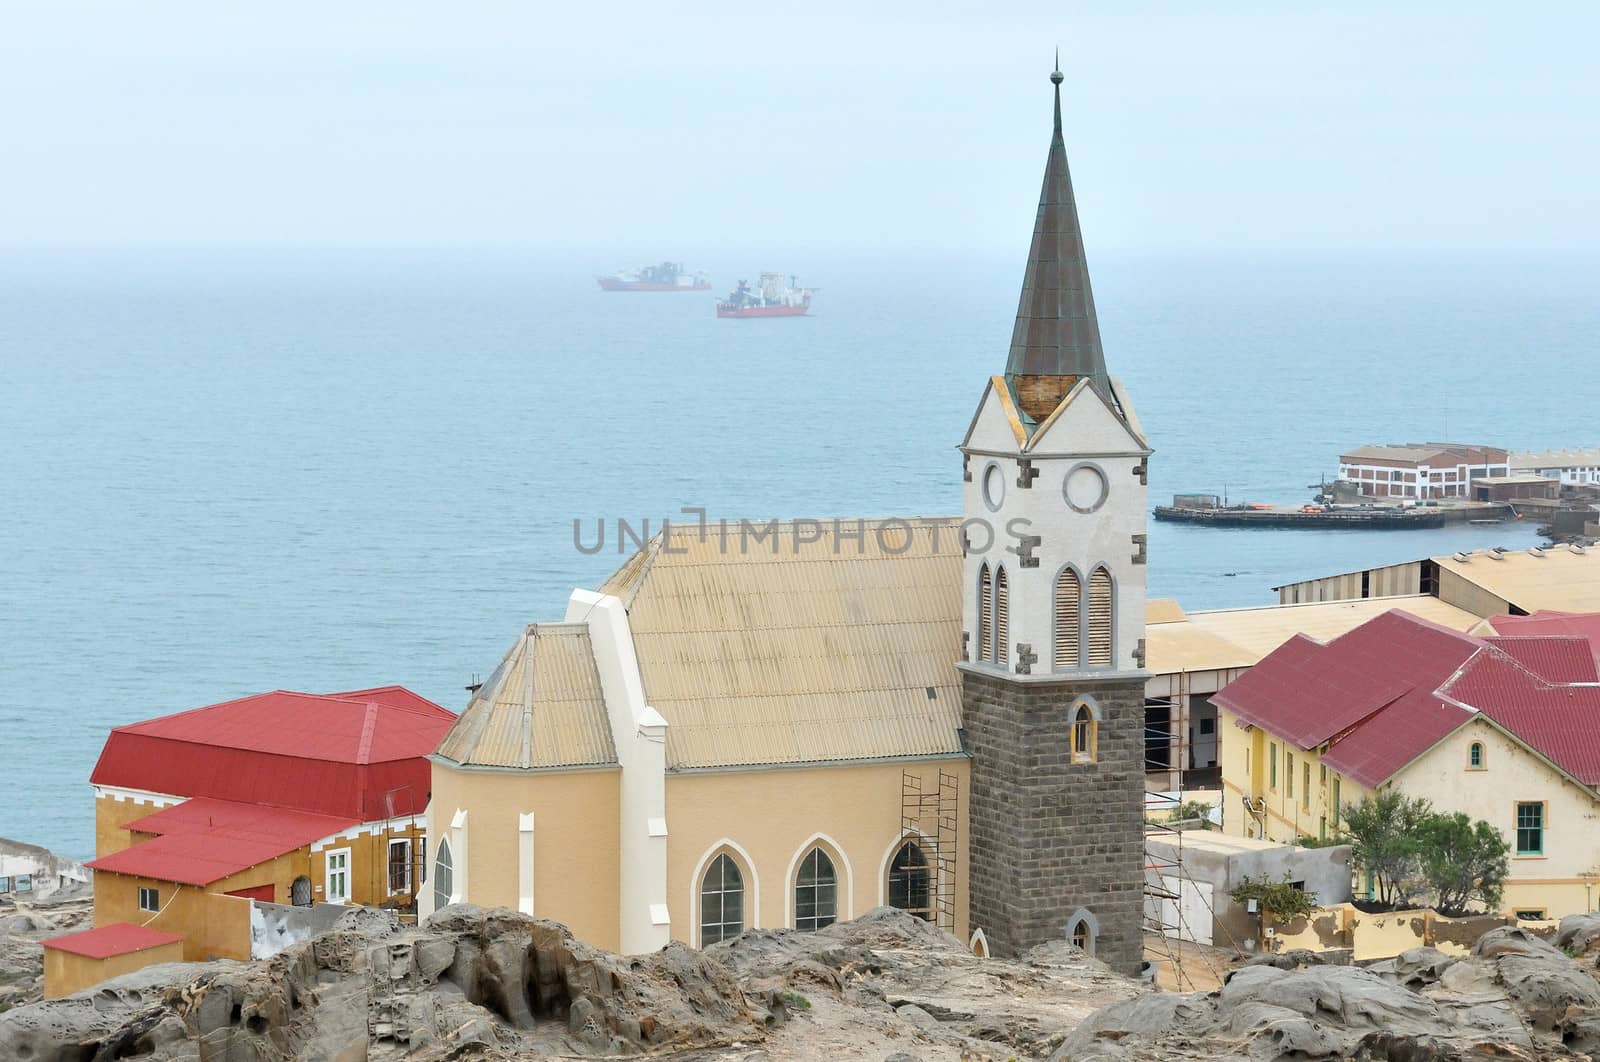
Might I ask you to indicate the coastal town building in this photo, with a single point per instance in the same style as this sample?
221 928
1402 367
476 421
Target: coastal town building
1568 466
1498 727
1420 470
280 798
943 714
29 872
1193 655
1490 582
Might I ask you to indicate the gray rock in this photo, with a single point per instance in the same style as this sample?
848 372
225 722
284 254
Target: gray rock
912 1014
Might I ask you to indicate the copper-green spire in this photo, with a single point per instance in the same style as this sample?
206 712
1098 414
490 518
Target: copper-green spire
1056 340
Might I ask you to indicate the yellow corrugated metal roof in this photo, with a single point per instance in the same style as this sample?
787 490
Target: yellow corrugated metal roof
1560 580
828 650
1240 637
1162 610
552 715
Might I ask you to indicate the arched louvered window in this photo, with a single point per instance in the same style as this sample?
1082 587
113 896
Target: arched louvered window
1002 618
985 614
1068 607
1101 618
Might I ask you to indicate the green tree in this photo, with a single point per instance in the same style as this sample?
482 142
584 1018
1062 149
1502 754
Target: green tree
1385 832
1464 861
1279 899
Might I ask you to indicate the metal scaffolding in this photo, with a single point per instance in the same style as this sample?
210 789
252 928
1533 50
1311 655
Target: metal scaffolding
931 817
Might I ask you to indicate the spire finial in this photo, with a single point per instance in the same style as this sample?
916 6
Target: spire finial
1055 79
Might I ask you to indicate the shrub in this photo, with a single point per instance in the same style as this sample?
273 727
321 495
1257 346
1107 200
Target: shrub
1279 899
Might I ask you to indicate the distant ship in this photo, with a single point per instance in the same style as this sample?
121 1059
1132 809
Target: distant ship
668 276
778 296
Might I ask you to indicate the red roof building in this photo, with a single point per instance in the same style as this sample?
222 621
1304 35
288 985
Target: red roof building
103 942
1504 728
284 797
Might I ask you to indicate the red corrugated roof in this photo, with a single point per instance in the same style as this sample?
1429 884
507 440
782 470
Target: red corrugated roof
118 938
205 840
1558 719
1585 625
1383 693
361 754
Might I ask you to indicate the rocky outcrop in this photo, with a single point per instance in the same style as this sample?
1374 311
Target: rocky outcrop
491 984
1514 997
25 922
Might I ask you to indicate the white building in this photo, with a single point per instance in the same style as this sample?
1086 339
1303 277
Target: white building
29 872
1569 466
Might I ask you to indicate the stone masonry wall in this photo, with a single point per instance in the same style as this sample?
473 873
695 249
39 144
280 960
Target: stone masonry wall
1048 836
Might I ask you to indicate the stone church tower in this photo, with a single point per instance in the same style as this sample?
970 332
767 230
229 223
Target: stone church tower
1053 622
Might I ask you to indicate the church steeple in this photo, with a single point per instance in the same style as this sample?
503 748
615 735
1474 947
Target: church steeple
1056 340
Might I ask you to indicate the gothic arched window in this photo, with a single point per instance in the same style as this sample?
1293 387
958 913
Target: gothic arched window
443 869
1068 652
985 614
721 901
1102 618
911 881
1085 734
816 892
1002 618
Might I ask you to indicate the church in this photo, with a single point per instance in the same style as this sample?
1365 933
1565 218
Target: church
943 715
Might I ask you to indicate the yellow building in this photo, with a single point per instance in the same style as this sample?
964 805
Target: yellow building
282 798
713 742
1498 728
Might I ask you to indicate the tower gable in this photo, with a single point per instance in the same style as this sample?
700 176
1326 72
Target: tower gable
996 425
1086 421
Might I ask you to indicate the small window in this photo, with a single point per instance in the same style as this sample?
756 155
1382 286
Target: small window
911 881
24 883
1337 811
300 891
1530 914
1475 756
1085 734
1322 774
1530 827
1288 771
1208 726
399 866
816 892
443 875
5 884
1272 764
1080 936
721 902
149 899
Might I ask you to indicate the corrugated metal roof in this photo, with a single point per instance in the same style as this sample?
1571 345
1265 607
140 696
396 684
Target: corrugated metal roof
1556 459
330 754
205 840
1385 692
1239 637
1573 624
1556 580
550 715
118 938
814 651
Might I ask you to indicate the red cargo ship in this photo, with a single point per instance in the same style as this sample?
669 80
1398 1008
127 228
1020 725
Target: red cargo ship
778 296
668 276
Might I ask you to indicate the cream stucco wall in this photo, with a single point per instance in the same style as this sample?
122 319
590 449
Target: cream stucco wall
1299 797
1565 879
1085 432
768 819
576 864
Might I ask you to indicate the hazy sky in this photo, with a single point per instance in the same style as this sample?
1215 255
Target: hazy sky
683 127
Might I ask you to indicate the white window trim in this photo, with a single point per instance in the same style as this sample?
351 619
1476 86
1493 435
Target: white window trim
154 892
405 889
843 912
752 887
328 872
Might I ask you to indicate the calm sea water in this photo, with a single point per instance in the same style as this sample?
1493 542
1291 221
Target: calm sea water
230 472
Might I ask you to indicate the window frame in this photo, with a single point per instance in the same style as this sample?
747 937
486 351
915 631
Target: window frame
819 886
389 864
1272 766
1083 727
925 869
1476 758
1531 914
1543 827
716 863
152 905
347 877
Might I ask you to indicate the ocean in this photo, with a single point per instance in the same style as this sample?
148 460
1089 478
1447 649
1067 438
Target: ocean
228 471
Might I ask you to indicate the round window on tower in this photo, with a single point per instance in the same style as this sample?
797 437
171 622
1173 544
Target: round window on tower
994 487
1085 487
